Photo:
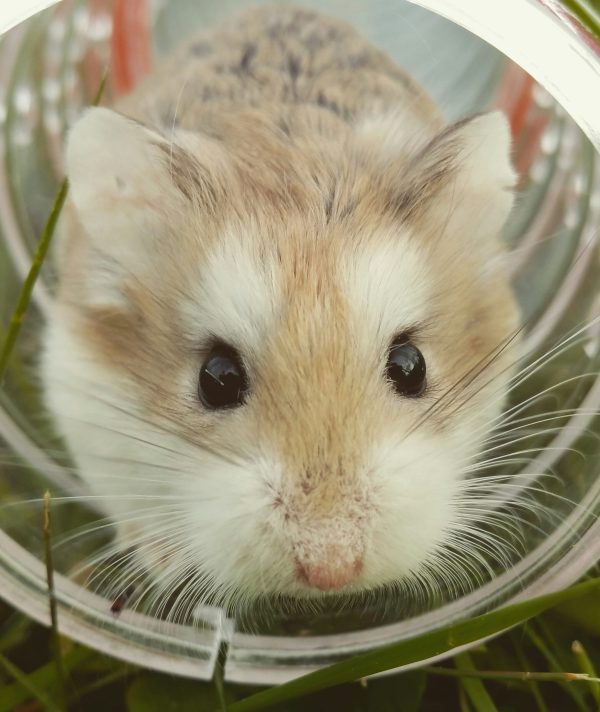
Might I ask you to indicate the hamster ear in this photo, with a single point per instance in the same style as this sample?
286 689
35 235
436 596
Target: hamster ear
462 181
128 189
119 181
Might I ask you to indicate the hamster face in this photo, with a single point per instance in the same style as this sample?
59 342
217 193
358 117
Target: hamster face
275 358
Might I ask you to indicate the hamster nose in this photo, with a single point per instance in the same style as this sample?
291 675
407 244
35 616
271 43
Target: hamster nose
329 575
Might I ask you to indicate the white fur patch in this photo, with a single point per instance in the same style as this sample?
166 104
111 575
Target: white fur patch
486 150
388 285
396 132
412 483
236 296
180 504
118 181
476 202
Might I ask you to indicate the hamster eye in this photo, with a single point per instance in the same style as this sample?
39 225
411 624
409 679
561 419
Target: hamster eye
406 368
223 382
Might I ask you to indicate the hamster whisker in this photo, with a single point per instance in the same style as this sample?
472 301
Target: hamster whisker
525 503
179 576
164 448
501 519
510 415
548 393
528 433
483 492
534 451
186 601
469 555
504 495
557 350
450 564
577 336
146 464
111 569
472 555
488 542
105 568
102 581
494 463
531 450
491 509
159 426
489 482
509 436
111 522
505 517
196 588
12 459
141 571
145 536
506 482
477 510
498 427
130 436
536 419
467 378
502 435
533 399
152 543
184 84
119 477
71 498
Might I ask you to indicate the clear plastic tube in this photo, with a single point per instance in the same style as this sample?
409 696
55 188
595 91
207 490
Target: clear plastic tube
49 69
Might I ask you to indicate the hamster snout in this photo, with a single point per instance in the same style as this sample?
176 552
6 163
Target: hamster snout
278 343
328 533
336 570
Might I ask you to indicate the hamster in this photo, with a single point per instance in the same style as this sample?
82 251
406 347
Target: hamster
281 335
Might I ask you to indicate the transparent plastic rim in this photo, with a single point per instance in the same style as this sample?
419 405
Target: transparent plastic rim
560 52
14 11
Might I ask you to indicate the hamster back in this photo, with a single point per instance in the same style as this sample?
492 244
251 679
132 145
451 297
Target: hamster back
283 333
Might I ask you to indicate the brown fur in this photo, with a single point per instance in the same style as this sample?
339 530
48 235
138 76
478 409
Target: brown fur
276 55
277 100
309 178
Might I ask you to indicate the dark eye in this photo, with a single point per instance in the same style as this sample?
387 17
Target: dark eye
406 368
223 382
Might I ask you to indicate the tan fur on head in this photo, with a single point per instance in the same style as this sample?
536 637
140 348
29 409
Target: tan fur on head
287 232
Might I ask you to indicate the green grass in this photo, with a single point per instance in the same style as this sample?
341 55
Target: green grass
514 672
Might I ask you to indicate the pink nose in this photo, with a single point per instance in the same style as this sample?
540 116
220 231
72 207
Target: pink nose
329 576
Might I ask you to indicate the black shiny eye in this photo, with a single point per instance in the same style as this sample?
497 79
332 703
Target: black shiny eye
223 382
406 368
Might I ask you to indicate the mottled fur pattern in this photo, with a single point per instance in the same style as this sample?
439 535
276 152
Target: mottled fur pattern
276 59
282 186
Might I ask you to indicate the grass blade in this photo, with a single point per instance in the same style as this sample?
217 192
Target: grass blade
104 681
583 614
587 12
47 531
547 646
587 667
14 631
532 684
218 678
27 685
463 702
523 675
44 678
414 650
18 316
473 686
